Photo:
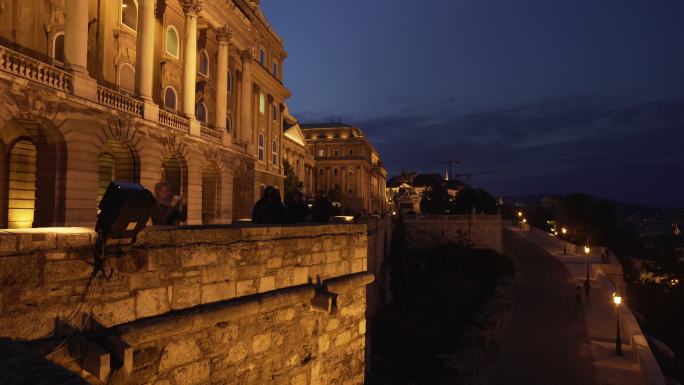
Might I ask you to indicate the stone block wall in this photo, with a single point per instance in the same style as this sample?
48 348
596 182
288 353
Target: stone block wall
479 231
219 304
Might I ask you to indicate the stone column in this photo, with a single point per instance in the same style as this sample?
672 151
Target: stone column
191 8
223 35
144 53
76 35
247 96
76 48
144 59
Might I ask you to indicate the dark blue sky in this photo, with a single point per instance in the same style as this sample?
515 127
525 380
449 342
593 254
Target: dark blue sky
532 95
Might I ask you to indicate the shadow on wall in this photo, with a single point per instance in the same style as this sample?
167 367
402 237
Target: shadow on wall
19 365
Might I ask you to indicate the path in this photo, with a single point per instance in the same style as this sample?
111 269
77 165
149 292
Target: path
546 340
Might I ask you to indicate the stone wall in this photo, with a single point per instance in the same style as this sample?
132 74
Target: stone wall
479 231
221 304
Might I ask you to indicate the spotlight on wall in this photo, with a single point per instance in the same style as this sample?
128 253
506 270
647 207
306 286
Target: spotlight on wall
124 211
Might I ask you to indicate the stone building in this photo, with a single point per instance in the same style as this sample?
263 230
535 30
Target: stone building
348 163
185 91
296 153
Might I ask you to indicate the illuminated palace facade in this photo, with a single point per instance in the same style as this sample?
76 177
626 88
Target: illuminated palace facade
347 162
185 91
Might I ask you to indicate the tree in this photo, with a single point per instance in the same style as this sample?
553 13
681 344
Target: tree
436 200
470 198
292 183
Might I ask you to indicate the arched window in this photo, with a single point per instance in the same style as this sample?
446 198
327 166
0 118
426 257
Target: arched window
274 112
261 147
58 47
116 162
21 202
211 194
228 123
274 154
274 70
262 103
174 172
230 82
204 62
127 77
201 112
172 44
170 98
262 57
129 14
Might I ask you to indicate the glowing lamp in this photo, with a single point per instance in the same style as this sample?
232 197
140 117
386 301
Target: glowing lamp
586 249
617 299
564 230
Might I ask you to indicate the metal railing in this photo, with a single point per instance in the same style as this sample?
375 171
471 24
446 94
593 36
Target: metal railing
119 101
29 68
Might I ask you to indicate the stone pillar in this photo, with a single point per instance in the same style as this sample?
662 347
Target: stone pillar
247 96
223 34
144 63
144 53
76 35
76 48
191 8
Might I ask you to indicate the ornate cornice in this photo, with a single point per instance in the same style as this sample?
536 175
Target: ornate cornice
224 34
192 6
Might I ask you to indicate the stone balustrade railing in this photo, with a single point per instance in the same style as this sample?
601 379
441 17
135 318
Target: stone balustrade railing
452 218
211 134
27 67
33 69
119 101
174 121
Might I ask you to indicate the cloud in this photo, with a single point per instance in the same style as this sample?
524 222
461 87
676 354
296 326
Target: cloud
519 148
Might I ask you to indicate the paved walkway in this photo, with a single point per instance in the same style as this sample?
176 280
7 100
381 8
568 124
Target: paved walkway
599 314
546 341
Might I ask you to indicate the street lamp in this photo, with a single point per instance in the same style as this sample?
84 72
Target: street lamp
587 286
520 220
618 342
565 249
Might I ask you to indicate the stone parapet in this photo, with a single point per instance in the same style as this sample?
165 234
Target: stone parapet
43 272
193 304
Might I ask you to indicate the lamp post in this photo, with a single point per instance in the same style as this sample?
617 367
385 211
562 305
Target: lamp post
587 285
618 342
520 220
524 221
565 249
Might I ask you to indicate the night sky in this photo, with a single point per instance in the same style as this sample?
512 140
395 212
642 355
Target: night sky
532 96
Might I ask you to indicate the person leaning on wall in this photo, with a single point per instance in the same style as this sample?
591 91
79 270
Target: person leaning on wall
169 210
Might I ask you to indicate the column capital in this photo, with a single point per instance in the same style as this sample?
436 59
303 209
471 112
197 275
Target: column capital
224 34
192 7
246 55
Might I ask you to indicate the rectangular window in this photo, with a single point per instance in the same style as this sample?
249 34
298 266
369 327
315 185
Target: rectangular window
275 69
262 57
321 152
336 152
350 152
